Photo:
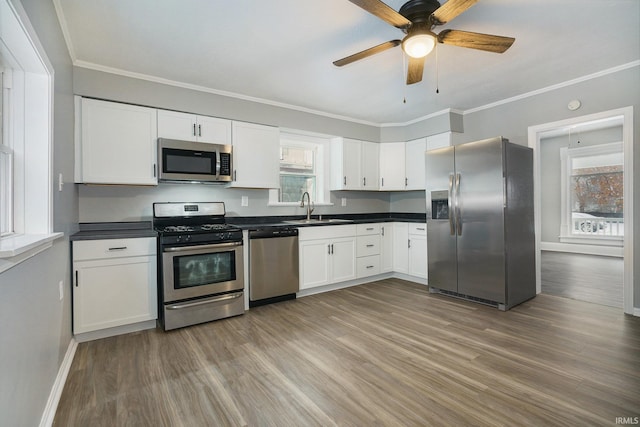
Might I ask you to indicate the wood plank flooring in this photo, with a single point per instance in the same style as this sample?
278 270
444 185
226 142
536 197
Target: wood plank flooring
382 354
590 278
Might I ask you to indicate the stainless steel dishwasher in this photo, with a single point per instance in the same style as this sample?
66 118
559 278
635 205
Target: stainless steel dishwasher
273 265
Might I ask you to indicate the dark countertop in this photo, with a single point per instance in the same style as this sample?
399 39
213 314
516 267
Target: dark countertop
123 230
113 230
256 222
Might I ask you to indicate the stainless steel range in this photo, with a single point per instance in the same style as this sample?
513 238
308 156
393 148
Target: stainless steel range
200 264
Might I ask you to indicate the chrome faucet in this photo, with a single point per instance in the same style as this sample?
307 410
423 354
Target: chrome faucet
309 204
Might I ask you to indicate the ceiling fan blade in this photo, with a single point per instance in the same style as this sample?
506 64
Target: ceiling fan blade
415 70
488 42
450 10
384 12
366 53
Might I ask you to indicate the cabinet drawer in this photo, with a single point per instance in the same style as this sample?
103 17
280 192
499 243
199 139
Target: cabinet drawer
113 248
365 229
418 228
368 245
368 266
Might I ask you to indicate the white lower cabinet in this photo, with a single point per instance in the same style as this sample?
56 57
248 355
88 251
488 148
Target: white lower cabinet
368 250
417 250
327 255
410 249
114 283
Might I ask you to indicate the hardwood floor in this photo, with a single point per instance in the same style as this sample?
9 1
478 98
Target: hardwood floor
590 278
386 353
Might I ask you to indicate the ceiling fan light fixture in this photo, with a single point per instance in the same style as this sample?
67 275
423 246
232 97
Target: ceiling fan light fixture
419 45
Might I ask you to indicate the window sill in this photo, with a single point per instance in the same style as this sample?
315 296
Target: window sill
593 240
16 249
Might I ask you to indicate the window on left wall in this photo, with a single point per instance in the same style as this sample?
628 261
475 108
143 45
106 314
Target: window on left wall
26 222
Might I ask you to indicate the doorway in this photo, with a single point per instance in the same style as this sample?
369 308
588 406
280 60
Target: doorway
536 135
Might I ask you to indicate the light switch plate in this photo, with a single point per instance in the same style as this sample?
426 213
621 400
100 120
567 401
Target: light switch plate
244 201
344 201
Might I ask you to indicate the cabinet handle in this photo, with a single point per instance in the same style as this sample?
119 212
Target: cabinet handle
345 180
369 228
409 243
406 182
382 182
332 249
235 175
364 181
76 278
154 170
199 130
370 246
369 266
382 228
118 248
329 249
420 228
194 129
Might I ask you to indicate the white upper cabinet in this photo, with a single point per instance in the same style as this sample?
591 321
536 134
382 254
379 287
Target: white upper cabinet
354 164
392 166
370 165
191 127
256 156
439 140
115 143
414 164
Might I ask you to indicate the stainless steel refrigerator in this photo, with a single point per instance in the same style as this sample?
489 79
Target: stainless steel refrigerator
480 228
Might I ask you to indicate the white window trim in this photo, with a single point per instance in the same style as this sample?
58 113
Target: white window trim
31 145
323 160
566 221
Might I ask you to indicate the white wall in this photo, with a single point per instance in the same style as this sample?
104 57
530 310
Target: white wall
35 327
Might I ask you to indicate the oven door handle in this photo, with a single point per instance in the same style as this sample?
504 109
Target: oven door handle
198 247
204 302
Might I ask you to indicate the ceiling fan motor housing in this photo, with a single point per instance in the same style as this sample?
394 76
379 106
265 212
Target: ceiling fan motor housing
419 11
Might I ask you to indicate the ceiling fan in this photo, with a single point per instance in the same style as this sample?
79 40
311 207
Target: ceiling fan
416 18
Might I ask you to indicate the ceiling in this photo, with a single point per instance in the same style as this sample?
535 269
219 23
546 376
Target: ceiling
281 51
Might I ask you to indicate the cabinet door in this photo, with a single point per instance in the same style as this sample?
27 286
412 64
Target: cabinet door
370 165
439 141
386 247
314 263
256 156
117 144
414 161
214 130
113 292
343 259
418 255
175 125
401 247
352 164
392 166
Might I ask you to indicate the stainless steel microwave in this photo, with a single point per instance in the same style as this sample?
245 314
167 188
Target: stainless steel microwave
188 161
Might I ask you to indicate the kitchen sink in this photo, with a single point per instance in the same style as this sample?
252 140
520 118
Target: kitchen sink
318 221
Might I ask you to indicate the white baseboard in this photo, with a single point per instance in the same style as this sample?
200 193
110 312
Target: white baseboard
58 385
582 249
117 330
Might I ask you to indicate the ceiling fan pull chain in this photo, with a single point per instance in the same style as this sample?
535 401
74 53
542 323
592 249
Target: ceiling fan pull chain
437 83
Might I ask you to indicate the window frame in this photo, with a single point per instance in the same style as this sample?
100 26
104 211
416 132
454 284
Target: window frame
322 164
566 222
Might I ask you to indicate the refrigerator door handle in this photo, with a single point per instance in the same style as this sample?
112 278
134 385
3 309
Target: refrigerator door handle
452 228
458 214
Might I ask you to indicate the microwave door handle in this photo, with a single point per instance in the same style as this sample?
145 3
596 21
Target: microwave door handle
217 163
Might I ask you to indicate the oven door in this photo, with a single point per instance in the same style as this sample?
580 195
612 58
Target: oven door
202 270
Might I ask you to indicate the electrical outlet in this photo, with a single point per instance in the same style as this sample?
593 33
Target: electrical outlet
344 201
60 182
244 201
61 289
